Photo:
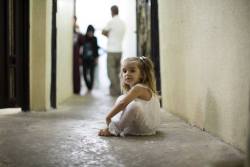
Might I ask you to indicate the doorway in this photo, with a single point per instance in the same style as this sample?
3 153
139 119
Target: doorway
98 13
14 50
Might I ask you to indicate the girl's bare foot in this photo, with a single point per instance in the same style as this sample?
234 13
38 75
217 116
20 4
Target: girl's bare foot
104 132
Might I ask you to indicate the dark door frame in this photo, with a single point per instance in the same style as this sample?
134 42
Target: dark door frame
3 53
155 54
53 56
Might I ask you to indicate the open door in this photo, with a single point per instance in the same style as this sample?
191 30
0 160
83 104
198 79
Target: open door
14 50
148 34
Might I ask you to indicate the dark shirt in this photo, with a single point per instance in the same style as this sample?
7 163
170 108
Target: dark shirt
90 48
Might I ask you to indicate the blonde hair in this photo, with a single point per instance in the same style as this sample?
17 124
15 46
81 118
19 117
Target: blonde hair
146 68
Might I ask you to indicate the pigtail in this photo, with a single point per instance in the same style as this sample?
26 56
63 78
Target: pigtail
147 69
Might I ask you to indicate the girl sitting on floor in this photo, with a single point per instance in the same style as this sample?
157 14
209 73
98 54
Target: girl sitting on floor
139 104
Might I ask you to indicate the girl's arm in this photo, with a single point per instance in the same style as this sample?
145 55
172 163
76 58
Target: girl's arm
138 91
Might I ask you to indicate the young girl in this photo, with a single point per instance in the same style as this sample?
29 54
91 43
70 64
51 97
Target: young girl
139 104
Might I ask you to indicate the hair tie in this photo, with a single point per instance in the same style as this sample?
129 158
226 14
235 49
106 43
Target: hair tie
142 57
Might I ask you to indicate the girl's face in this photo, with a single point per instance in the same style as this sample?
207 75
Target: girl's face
131 74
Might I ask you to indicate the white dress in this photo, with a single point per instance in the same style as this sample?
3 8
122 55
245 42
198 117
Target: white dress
140 117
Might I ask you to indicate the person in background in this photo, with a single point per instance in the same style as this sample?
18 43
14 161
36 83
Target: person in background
89 56
77 42
114 31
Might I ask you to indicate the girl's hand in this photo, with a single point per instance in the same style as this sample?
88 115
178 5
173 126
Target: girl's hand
104 132
108 120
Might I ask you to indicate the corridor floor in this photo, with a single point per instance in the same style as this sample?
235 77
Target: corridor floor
67 137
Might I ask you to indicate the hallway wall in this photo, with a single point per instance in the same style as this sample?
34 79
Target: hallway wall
65 13
40 52
204 48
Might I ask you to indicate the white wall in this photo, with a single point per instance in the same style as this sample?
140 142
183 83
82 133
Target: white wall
205 56
40 56
65 15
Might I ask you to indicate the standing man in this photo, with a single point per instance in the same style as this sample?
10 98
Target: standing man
114 31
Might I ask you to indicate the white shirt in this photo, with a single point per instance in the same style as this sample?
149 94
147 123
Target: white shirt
116 29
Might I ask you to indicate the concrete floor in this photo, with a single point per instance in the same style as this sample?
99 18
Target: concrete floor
67 137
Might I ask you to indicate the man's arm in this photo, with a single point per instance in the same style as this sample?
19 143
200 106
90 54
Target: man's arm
105 33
